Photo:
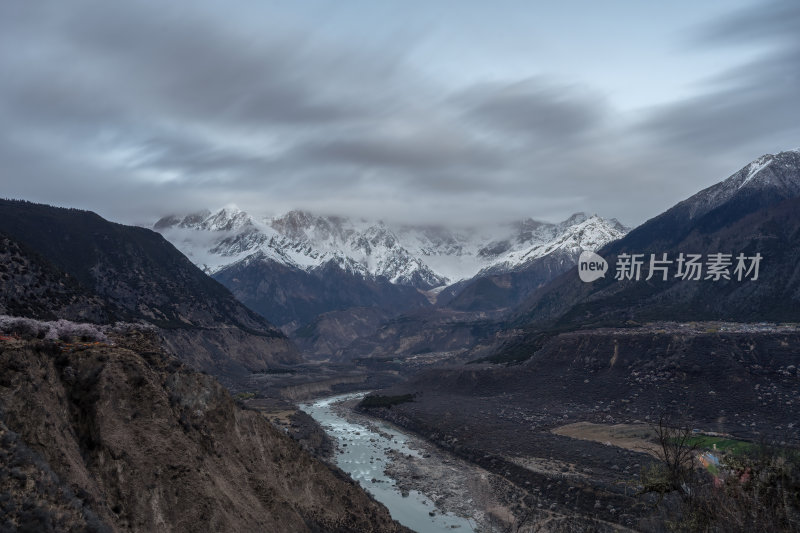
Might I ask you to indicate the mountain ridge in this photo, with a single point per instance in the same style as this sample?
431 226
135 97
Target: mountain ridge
406 255
752 211
134 274
298 266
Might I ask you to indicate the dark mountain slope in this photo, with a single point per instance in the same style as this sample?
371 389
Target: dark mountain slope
627 352
138 272
293 298
505 285
331 333
492 292
32 287
732 379
753 211
764 182
436 332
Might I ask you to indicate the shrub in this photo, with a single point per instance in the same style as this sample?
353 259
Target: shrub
757 487
376 400
29 328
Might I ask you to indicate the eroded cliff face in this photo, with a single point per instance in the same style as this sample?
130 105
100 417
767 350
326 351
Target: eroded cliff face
740 379
226 350
131 439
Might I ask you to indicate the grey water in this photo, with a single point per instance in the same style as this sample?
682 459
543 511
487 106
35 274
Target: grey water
361 453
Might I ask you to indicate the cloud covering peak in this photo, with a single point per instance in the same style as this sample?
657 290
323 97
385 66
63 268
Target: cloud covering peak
133 109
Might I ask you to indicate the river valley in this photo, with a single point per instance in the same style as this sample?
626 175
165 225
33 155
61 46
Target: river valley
424 488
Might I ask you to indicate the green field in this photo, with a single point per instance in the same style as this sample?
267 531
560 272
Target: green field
707 442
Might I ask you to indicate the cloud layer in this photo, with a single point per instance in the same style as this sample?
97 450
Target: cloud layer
140 110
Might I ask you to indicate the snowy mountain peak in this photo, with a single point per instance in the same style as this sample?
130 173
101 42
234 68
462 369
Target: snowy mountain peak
229 218
421 257
305 226
753 169
576 218
776 172
568 239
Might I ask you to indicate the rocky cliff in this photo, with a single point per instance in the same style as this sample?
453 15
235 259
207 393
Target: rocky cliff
124 437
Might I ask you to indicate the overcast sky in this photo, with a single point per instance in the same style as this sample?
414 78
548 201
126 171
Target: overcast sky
413 111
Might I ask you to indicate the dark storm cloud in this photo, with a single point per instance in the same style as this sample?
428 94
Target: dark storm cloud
769 20
125 63
193 159
756 100
167 86
534 108
420 152
169 93
194 67
140 109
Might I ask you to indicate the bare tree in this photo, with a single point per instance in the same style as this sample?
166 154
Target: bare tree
675 470
757 490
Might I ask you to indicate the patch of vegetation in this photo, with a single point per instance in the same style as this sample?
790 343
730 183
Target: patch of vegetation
274 371
368 360
245 396
517 352
64 330
376 400
512 355
734 446
420 351
754 487
306 332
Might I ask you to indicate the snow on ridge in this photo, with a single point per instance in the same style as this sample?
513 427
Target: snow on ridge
774 170
755 167
421 256
424 257
584 233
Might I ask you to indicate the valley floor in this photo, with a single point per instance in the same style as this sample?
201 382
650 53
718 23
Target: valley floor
559 494
559 442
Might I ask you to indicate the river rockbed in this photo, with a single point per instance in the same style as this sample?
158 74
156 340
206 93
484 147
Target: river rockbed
408 474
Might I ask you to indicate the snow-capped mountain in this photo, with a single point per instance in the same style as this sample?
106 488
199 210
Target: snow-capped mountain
774 173
420 257
298 240
755 211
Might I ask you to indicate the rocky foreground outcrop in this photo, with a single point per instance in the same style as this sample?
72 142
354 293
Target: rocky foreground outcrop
123 437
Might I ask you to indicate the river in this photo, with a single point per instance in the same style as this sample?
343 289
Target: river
362 453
